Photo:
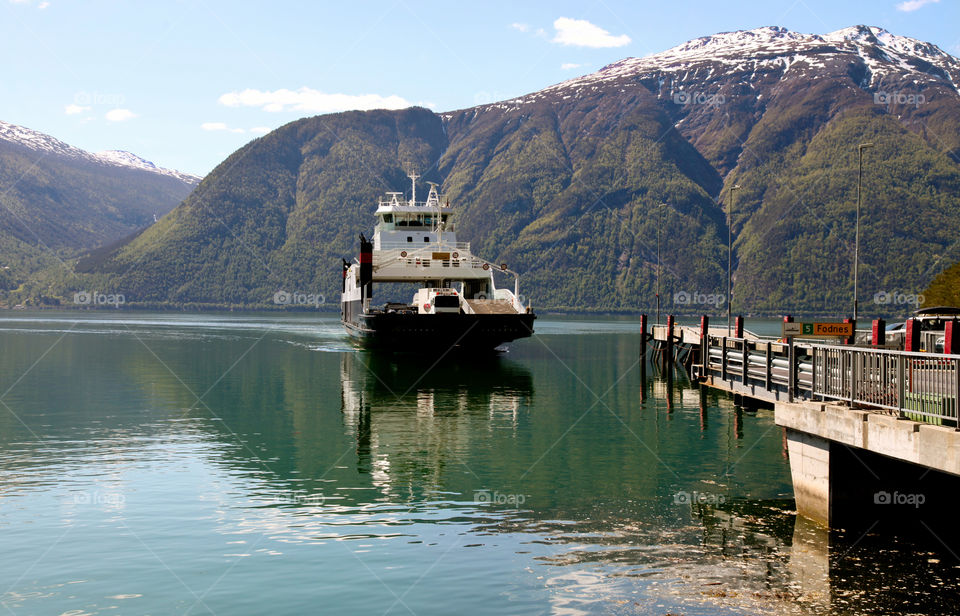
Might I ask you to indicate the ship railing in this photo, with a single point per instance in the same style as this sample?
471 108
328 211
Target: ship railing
456 256
410 247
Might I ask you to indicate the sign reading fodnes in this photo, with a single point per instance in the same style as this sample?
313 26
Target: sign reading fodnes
817 330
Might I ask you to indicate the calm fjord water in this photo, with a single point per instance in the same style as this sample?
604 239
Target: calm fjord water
221 464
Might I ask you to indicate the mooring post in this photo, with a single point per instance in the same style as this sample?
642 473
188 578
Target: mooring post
643 357
878 333
643 337
853 336
791 373
951 337
911 341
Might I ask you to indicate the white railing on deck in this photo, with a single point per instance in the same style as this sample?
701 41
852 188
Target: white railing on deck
423 259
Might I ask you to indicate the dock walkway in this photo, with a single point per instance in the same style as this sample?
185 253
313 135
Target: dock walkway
834 399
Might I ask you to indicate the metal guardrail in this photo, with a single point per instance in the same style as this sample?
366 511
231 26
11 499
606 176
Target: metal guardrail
920 386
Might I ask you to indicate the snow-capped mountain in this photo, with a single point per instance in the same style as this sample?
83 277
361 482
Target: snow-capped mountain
123 158
43 143
880 52
58 199
877 56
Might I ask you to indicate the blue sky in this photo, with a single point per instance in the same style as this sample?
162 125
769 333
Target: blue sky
185 83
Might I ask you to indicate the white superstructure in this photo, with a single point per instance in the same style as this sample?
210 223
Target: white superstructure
416 242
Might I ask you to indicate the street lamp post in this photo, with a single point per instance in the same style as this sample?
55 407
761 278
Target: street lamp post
733 188
659 224
856 239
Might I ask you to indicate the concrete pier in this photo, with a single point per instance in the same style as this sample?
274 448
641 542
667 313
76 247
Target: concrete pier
851 465
872 433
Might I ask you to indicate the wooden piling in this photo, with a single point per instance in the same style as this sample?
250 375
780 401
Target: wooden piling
668 355
643 357
643 337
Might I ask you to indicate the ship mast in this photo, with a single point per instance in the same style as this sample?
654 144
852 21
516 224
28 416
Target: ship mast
413 180
434 198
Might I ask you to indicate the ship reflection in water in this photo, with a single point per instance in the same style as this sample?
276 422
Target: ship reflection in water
385 397
712 549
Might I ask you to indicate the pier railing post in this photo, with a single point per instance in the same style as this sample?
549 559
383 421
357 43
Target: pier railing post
723 358
746 355
791 369
704 343
768 370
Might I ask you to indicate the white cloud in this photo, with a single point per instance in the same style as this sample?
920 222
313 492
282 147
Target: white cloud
913 5
120 115
582 33
76 109
220 126
520 27
569 66
310 100
43 5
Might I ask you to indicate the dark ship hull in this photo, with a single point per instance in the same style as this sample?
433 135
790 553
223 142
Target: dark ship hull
436 333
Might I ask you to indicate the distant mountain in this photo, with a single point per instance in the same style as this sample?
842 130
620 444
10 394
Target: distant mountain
45 144
565 183
57 200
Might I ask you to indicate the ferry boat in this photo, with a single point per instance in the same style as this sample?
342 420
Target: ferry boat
456 304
